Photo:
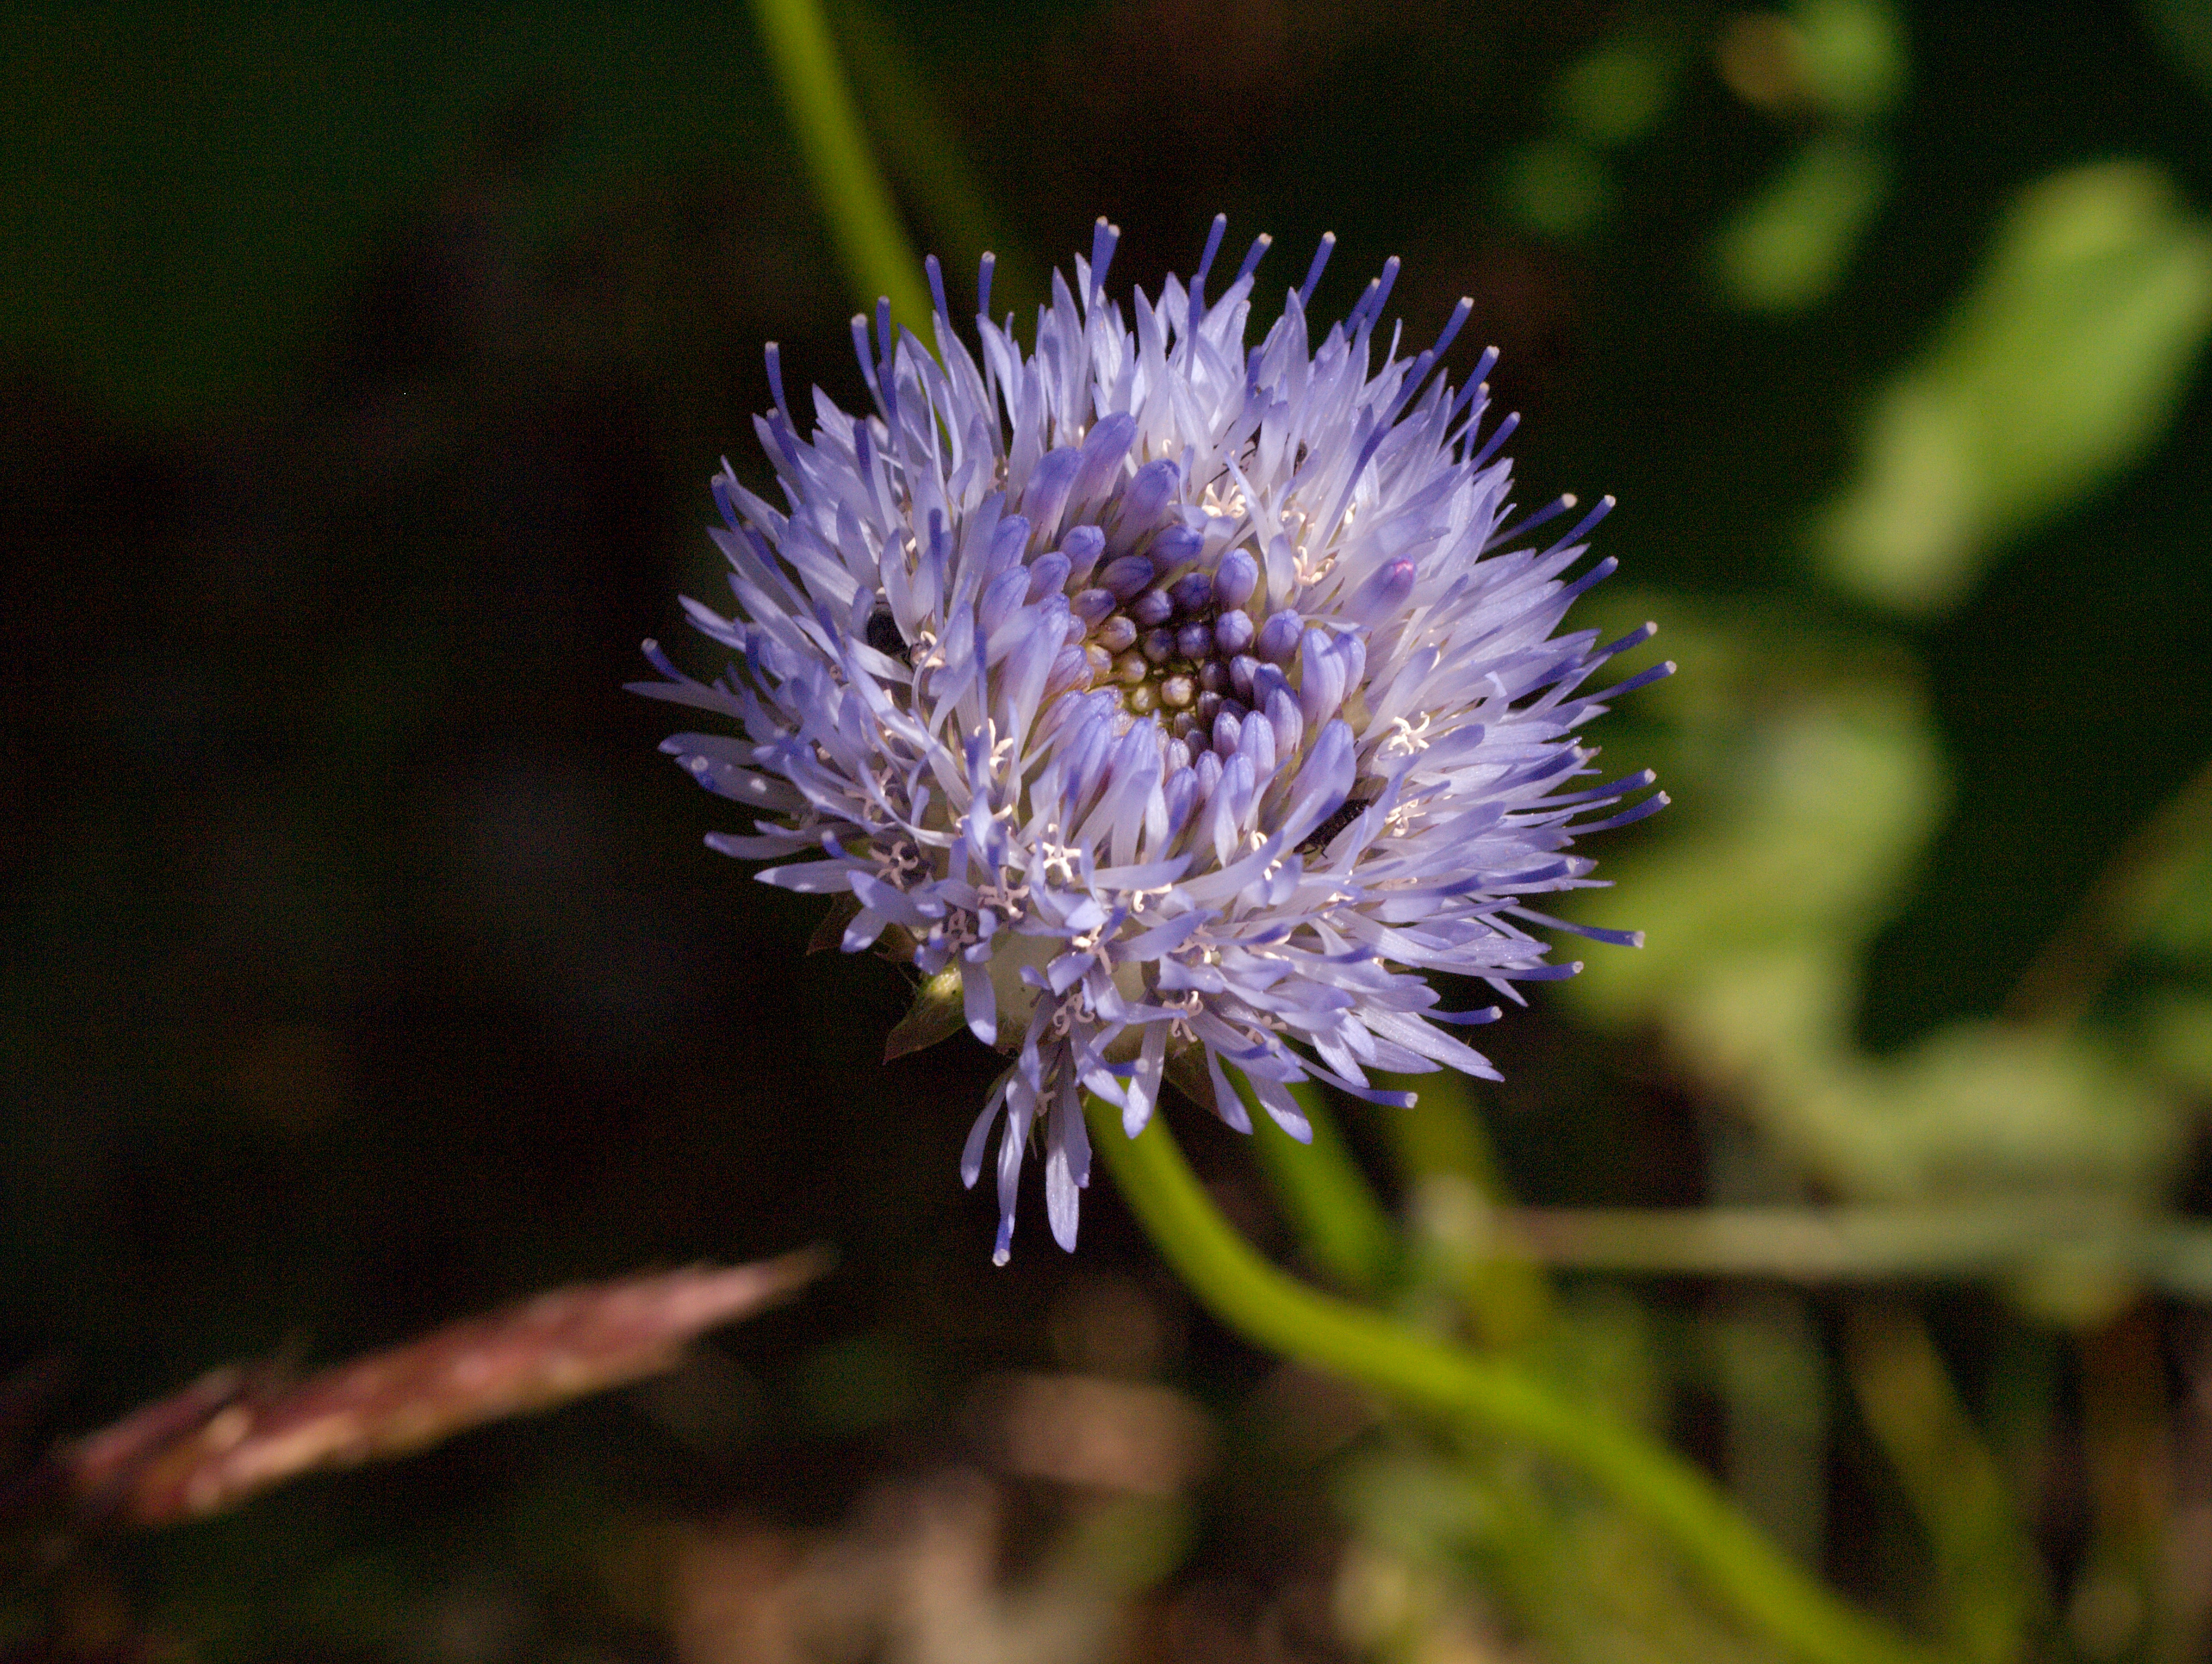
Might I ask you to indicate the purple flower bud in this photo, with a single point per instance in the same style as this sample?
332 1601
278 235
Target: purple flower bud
1352 650
1289 724
1207 769
1279 637
1048 575
1086 752
1228 728
1007 543
1321 679
1000 597
1214 676
1255 739
1146 497
1232 801
1103 447
1233 632
1175 547
1241 669
1158 646
1193 592
1046 494
1126 575
1180 794
1382 594
1235 578
1266 679
1070 670
1152 607
1194 640
1083 545
1091 606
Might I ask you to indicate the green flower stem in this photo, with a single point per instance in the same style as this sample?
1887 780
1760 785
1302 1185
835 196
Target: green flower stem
1453 1190
2054 1242
1442 1134
1989 1577
1364 1347
872 245
1342 1229
926 159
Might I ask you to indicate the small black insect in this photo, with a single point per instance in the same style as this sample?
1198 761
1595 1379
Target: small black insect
1346 812
883 635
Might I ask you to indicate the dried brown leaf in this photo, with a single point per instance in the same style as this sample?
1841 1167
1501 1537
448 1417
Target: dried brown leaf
235 1433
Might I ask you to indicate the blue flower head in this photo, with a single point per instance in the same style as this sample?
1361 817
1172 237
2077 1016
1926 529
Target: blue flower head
1178 703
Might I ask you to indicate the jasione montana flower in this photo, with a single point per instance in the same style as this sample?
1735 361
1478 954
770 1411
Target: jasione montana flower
1174 704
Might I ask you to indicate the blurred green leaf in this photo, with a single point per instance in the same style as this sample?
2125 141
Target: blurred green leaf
2058 368
1616 94
1802 844
1812 783
2171 912
1787 249
1558 187
1980 1110
1854 53
1987 1573
1842 60
2152 902
2176 1035
1771 1374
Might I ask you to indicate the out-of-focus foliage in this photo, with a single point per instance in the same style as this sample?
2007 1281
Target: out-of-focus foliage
1811 788
2066 358
1840 67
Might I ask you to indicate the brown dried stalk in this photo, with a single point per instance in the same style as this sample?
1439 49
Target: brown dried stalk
240 1430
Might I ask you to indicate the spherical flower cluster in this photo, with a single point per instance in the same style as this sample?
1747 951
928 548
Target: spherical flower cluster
1175 705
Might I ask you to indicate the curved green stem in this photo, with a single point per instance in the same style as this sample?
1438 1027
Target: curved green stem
1344 1232
1454 1188
872 245
1362 1346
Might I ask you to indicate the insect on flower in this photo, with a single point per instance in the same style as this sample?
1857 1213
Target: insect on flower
1180 703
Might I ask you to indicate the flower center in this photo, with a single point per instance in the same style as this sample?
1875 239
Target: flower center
1179 641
